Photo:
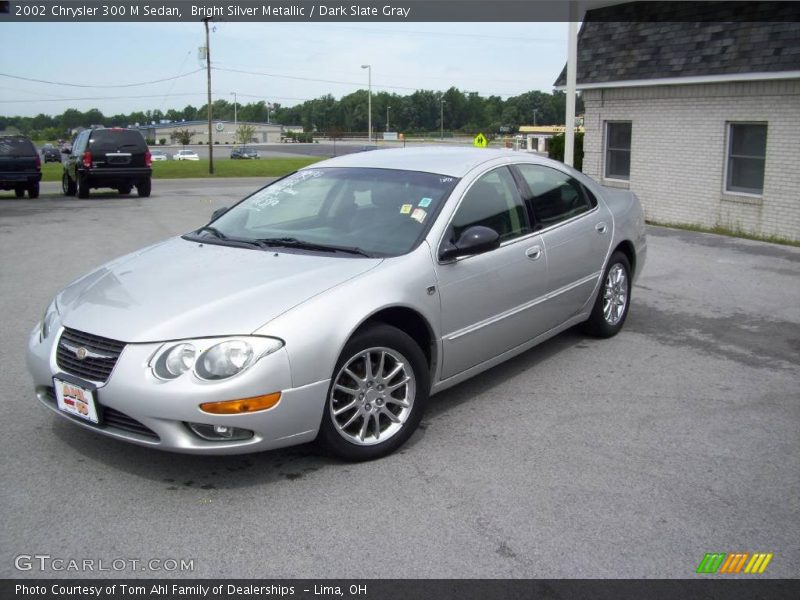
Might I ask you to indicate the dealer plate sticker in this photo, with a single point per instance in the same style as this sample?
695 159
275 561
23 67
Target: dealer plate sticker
76 400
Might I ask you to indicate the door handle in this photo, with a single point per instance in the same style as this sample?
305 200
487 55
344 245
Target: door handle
534 252
601 227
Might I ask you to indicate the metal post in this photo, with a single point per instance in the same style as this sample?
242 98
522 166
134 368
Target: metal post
210 115
369 102
387 117
572 69
441 119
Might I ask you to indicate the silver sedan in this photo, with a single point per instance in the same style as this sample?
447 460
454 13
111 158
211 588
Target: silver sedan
332 303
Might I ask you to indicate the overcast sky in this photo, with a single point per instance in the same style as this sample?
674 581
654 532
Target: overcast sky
504 59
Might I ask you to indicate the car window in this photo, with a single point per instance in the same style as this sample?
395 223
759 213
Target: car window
555 197
110 140
16 146
382 211
493 201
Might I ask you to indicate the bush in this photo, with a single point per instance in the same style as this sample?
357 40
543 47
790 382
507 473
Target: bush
555 149
162 141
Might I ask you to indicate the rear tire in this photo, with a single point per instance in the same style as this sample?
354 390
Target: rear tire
19 192
613 300
83 187
143 187
33 191
377 395
67 185
125 189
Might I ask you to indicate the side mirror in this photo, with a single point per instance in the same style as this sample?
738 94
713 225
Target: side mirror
218 213
475 240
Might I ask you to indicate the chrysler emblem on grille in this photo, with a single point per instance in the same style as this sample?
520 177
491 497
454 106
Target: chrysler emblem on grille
81 353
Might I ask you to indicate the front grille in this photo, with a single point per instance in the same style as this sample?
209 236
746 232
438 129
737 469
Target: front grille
110 418
93 368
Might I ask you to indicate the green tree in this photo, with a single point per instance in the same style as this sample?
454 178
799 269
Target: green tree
245 133
181 136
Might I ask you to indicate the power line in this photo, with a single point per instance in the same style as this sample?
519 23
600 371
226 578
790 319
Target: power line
121 85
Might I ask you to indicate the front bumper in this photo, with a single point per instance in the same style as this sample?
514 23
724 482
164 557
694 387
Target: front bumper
154 413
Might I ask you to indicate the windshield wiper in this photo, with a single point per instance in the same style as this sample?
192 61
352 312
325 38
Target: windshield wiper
213 231
290 242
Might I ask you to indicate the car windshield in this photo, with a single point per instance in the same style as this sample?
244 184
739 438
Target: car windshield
378 212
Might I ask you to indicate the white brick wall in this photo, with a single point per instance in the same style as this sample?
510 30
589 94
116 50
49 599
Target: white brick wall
678 151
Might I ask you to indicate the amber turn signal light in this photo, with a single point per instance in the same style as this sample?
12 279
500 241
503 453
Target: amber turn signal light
245 405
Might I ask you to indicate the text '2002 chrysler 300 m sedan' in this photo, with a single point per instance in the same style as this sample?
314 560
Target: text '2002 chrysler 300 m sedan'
331 303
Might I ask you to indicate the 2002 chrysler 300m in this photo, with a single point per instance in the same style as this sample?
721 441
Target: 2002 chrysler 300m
332 303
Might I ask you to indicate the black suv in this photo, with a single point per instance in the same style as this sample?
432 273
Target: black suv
114 157
20 166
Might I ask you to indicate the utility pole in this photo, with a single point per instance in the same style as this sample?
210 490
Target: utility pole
208 71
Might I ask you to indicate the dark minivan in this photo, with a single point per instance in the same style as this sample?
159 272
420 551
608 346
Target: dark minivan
20 166
114 157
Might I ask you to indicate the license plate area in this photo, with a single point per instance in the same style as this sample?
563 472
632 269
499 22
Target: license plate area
118 158
77 398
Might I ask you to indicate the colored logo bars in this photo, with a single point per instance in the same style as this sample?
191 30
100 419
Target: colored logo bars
720 562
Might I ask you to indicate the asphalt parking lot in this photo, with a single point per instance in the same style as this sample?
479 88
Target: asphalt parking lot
628 457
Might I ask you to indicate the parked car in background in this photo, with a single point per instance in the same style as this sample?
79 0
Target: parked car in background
244 153
107 157
50 153
20 166
158 155
185 155
332 302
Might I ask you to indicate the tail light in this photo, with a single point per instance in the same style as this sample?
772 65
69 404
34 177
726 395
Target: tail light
38 163
87 159
148 159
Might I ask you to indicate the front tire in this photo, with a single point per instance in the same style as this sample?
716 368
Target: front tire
33 191
377 395
613 300
19 192
124 190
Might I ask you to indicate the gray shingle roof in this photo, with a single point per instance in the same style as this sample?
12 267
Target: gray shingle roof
610 51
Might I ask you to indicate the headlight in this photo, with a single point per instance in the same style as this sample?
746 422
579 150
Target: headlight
48 321
211 359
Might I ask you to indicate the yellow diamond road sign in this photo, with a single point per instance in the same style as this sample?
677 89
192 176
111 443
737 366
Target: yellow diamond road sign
480 141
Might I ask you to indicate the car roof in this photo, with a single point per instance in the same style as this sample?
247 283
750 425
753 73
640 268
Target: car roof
455 162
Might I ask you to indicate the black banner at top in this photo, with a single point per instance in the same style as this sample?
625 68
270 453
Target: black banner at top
389 11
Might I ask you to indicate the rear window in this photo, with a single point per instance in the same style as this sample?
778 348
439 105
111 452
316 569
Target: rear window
111 140
16 147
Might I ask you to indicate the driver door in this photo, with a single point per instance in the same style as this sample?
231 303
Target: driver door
489 300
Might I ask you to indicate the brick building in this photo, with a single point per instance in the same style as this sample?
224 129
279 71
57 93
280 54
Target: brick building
701 119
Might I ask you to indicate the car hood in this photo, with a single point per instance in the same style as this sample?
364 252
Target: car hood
181 289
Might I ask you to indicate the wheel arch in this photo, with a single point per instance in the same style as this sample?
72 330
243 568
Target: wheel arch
410 322
626 247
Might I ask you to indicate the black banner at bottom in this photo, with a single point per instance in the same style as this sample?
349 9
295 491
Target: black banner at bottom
395 589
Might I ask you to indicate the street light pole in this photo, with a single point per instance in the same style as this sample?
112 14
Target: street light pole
369 102
441 119
235 118
269 106
534 116
387 117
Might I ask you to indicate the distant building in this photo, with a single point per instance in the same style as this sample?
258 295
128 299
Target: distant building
223 132
700 118
538 136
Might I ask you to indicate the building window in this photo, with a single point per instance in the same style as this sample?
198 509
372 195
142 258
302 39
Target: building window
618 150
747 152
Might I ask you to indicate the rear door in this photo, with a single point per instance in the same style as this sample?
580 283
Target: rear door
17 155
576 231
117 148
